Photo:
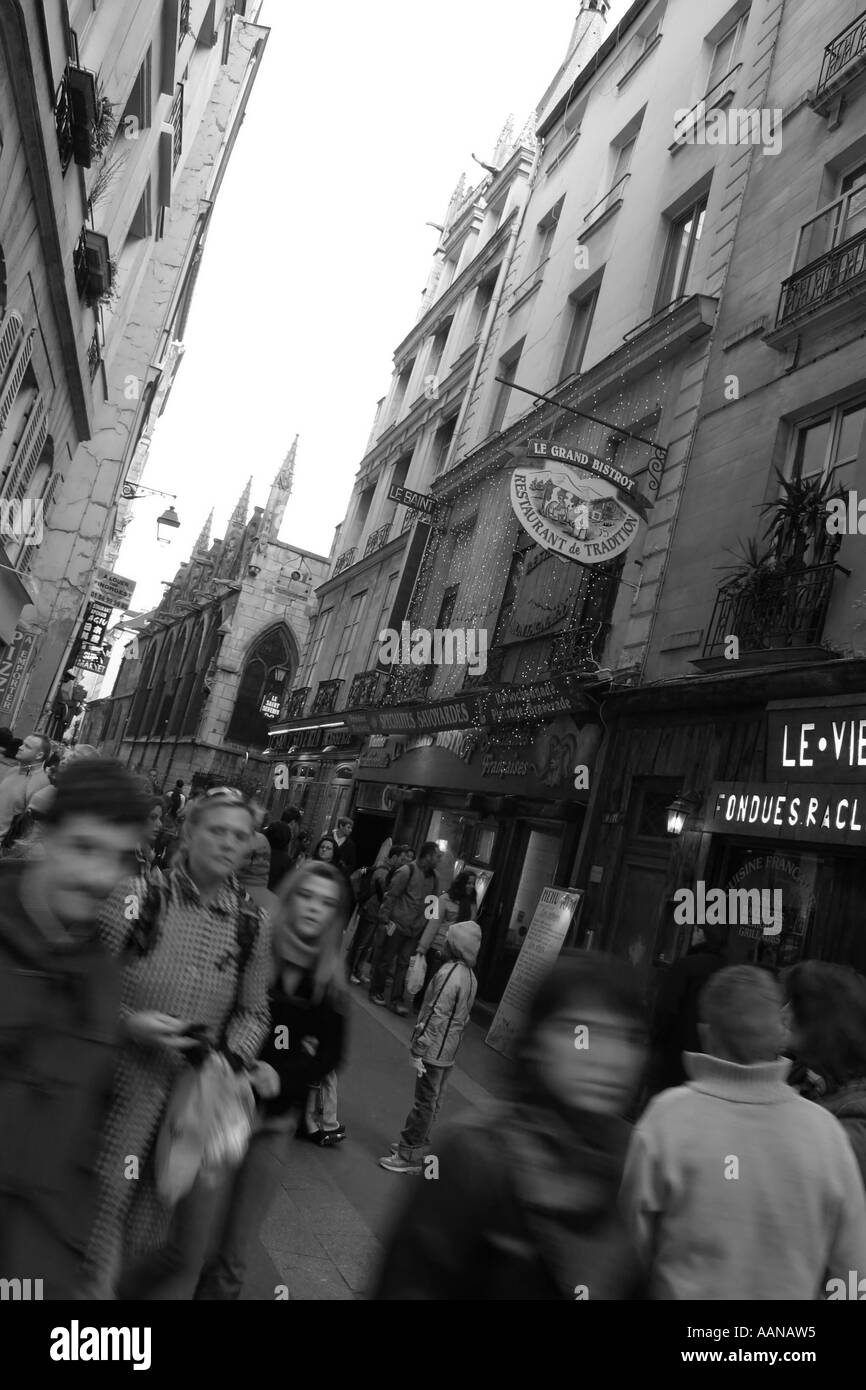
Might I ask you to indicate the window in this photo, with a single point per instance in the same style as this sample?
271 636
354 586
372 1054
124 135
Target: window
141 225
437 347
446 607
508 370
547 232
365 501
830 444
623 160
401 387
684 237
267 675
448 271
315 648
401 470
483 298
347 640
582 313
137 113
725 53
851 215
441 444
384 620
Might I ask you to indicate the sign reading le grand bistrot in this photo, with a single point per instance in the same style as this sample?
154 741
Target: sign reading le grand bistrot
579 507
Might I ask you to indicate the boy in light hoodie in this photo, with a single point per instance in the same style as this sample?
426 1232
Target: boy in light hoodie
446 1009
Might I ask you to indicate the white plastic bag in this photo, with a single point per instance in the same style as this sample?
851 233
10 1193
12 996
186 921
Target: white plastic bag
415 975
207 1126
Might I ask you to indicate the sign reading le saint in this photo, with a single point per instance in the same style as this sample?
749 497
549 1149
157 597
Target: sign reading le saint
418 501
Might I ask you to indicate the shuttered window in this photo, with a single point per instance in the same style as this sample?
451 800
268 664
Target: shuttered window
11 331
14 377
26 456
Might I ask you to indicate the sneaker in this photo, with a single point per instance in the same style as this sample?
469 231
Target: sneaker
355 980
400 1010
377 999
395 1164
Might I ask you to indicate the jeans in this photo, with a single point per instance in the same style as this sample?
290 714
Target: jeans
169 1274
247 1202
363 943
396 949
322 1104
429 1089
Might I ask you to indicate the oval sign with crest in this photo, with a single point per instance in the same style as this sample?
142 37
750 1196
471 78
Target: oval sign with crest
574 514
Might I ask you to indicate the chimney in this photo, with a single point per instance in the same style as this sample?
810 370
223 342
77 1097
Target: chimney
589 29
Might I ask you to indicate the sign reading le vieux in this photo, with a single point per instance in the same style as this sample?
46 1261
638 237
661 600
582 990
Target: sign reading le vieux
823 753
579 507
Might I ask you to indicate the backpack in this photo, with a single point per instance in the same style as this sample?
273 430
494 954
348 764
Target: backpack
365 886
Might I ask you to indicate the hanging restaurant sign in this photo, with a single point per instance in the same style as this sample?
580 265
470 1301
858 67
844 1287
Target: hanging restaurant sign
580 508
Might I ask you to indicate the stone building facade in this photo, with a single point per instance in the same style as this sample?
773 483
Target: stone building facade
169 82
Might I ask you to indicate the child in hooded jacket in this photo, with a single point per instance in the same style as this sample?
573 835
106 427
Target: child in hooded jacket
435 1041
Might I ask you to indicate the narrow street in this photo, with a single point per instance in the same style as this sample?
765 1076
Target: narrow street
324 1233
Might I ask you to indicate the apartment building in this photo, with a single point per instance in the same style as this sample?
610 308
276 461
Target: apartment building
739 762
386 535
556 517
137 104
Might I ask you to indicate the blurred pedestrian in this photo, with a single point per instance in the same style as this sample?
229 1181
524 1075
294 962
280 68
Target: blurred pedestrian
369 887
736 1187
255 873
826 1008
675 1017
59 1021
435 1041
196 957
525 1203
19 787
403 915
305 1039
321 1123
281 838
457 904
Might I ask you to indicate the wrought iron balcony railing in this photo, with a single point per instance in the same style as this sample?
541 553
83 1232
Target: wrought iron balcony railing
785 610
612 198
580 649
408 518
296 702
364 690
836 275
407 685
183 27
844 57
325 698
94 353
493 674
377 539
76 110
344 561
175 120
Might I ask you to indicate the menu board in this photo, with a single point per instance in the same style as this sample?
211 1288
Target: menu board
548 929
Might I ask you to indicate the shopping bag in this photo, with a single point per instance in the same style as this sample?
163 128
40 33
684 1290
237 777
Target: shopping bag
206 1126
416 974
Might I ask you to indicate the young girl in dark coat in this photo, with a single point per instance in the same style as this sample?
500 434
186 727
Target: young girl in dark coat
525 1206
305 1041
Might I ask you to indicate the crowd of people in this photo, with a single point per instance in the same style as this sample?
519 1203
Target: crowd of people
175 982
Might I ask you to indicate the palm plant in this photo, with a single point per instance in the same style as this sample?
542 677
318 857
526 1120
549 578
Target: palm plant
752 570
797 524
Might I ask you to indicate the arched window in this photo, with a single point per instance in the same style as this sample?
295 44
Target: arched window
268 672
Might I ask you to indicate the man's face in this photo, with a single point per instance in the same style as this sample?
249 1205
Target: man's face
431 861
85 859
32 750
219 843
408 856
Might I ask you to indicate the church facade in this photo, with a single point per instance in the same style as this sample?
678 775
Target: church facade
201 684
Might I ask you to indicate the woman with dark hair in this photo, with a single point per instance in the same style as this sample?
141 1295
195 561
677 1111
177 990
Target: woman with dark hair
526 1202
196 964
280 837
305 1040
826 1015
457 904
326 850
320 1124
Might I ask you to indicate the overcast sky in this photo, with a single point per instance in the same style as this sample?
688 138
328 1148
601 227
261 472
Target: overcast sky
360 123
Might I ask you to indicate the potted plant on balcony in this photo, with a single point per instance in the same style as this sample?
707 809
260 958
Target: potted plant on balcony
797 533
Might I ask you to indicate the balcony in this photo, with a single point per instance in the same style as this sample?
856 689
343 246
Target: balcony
364 690
844 62
184 26
92 264
325 699
175 120
408 519
76 113
343 562
827 283
408 685
779 622
688 129
296 702
377 539
579 650
94 353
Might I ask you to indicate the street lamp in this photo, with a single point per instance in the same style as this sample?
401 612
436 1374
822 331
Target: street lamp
169 521
682 806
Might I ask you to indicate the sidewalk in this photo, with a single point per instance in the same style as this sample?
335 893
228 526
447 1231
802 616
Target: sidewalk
323 1236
